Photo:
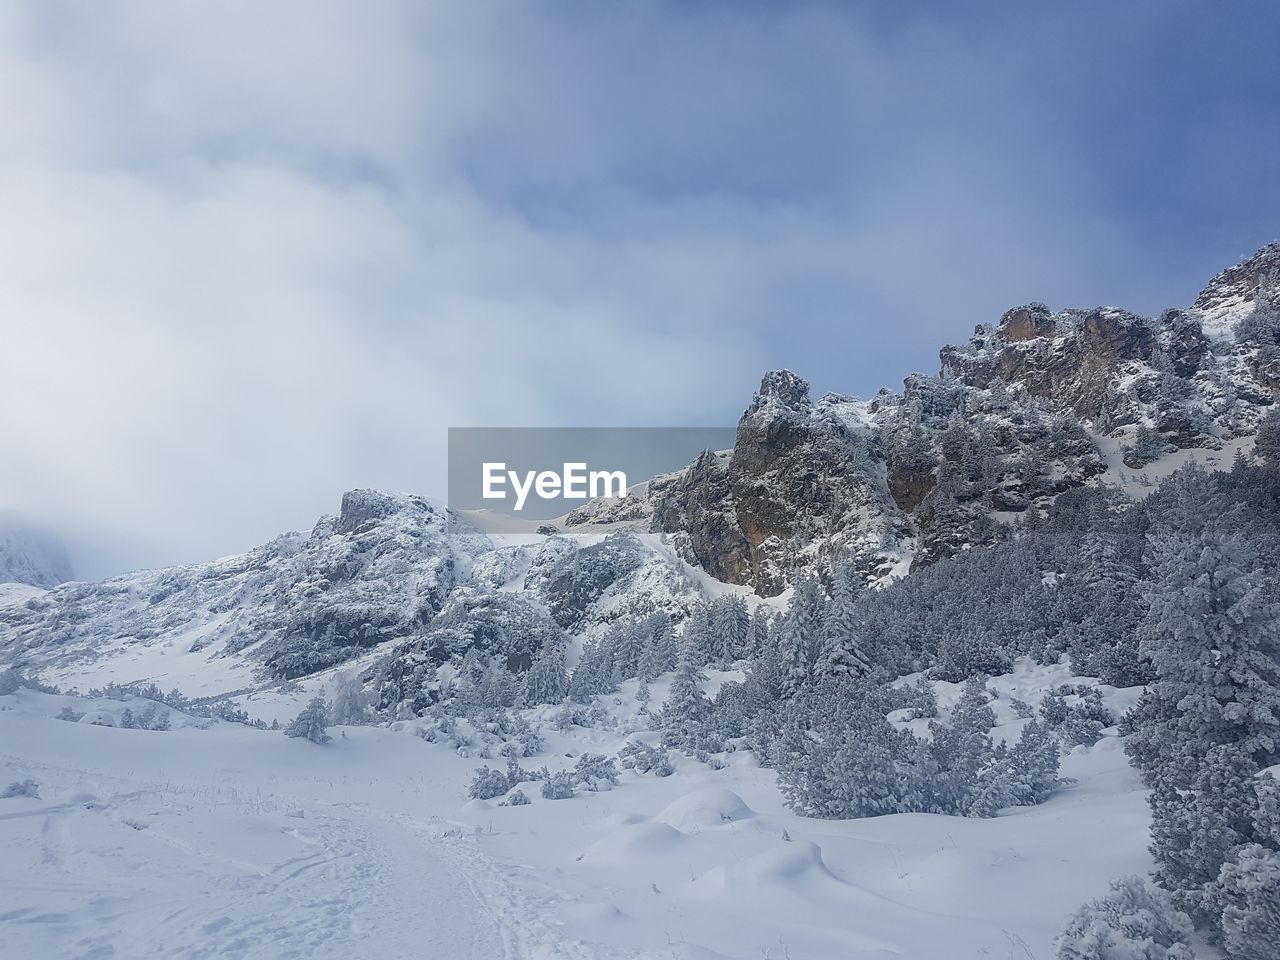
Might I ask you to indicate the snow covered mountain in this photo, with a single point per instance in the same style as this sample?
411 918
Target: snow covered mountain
30 556
1036 404
388 572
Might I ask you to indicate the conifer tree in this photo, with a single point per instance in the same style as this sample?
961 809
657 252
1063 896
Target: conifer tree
311 722
842 653
697 636
801 635
687 706
627 646
547 680
1211 719
759 634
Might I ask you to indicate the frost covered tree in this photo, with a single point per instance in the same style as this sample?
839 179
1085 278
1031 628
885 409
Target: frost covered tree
546 680
1266 443
350 703
558 786
962 749
1029 773
687 706
626 646
1133 922
592 676
842 653
697 637
801 635
10 681
660 647
963 654
731 626
1249 887
487 783
1211 719
593 770
759 633
1148 446
1213 638
311 722
491 686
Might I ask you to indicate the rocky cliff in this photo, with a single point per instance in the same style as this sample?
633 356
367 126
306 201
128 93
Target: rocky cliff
1031 406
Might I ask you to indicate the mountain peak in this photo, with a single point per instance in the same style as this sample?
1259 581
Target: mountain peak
786 388
1237 291
362 507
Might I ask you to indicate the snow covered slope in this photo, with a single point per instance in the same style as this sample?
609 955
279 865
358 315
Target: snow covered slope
214 839
379 570
388 573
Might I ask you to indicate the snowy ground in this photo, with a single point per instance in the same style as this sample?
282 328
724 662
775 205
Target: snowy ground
218 840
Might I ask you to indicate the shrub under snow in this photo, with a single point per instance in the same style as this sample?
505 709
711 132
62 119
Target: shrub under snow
21 788
311 722
1251 889
558 786
1133 922
643 758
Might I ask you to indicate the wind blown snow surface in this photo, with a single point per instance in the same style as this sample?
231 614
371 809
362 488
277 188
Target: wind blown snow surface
215 839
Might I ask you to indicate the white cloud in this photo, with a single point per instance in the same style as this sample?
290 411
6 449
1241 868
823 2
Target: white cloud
252 254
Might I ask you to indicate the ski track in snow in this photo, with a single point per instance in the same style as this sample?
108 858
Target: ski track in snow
361 884
229 842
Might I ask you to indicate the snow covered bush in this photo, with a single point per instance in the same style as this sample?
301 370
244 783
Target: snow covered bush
70 715
579 715
10 681
517 798
594 769
311 722
838 757
558 786
487 784
919 697
1250 890
1021 709
516 774
21 788
643 758
1133 922
1079 723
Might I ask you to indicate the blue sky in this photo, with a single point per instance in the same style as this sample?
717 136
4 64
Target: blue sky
255 254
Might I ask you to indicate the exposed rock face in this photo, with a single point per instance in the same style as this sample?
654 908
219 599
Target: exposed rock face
699 501
1071 359
1027 323
1013 419
802 479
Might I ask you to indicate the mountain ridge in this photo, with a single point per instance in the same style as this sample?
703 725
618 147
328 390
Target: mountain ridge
1035 404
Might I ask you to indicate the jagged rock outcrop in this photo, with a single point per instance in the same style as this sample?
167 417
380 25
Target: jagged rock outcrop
802 484
1015 417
